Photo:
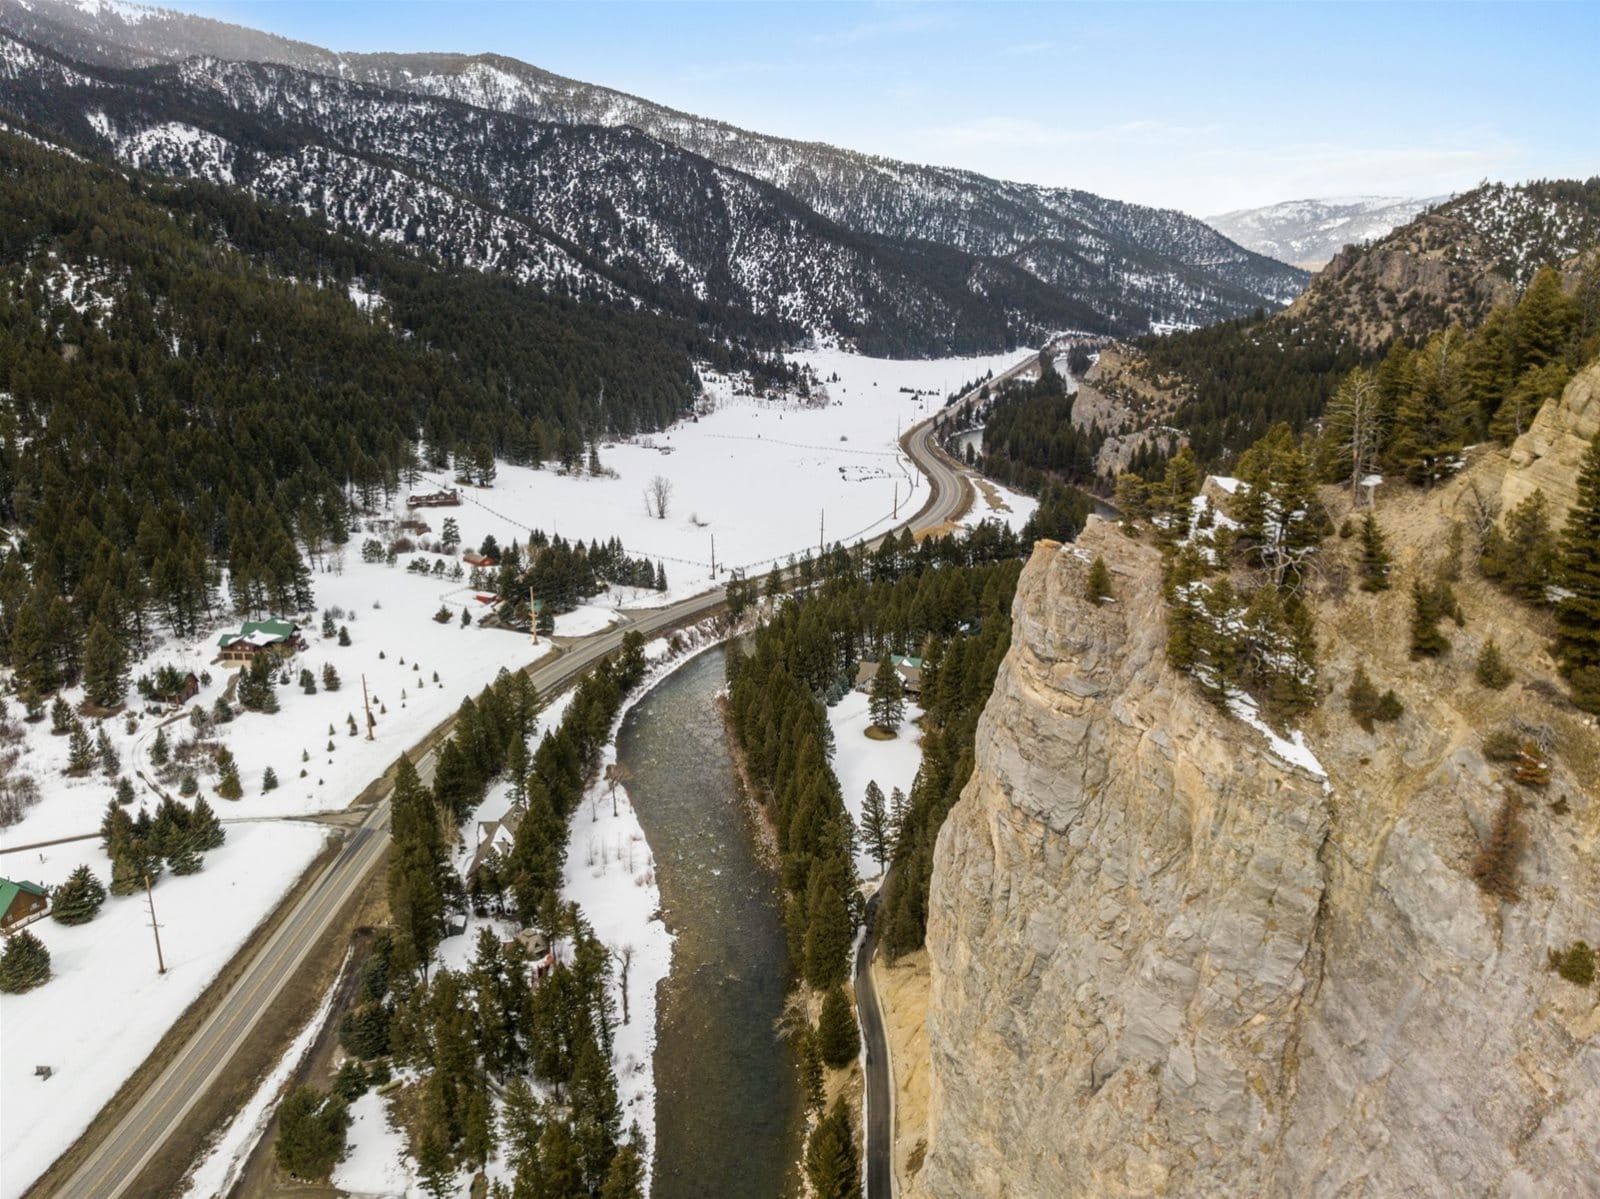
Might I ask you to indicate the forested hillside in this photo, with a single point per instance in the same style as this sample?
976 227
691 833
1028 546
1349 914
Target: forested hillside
1454 265
179 399
1039 250
608 214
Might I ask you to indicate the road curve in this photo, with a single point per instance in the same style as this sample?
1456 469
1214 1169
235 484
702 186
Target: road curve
125 1150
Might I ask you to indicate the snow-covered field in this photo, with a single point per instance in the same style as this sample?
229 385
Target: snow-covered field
859 760
757 475
106 1006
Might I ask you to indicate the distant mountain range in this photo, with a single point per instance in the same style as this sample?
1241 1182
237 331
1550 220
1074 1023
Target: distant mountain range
1308 233
493 164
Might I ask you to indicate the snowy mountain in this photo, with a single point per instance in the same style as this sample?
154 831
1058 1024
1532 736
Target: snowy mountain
1308 233
1048 257
1453 262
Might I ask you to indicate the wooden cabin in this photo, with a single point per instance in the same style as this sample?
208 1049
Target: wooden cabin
20 904
255 637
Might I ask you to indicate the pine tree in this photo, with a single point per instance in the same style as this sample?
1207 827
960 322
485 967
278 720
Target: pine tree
60 716
105 667
829 932
110 759
269 780
1577 648
1432 422
204 825
183 855
1492 671
78 899
1374 564
80 750
898 810
1523 559
832 1162
812 1083
1428 608
160 749
344 635
417 862
311 1133
125 790
1097 587
25 964
886 697
330 677
1545 318
228 784
838 1038
875 825
626 1177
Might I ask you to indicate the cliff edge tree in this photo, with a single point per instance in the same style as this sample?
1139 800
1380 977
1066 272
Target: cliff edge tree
1578 614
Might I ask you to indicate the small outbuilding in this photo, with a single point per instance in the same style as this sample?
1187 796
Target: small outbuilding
21 903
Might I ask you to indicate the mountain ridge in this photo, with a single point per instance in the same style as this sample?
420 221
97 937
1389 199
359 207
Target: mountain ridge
1134 267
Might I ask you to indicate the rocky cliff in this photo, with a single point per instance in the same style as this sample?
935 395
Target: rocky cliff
1169 960
1546 457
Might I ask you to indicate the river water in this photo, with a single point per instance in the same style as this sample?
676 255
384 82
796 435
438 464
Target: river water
728 1107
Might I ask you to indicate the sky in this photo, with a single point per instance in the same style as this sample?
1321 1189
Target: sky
1201 107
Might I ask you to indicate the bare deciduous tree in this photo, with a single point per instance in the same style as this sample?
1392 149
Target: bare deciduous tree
657 496
1353 412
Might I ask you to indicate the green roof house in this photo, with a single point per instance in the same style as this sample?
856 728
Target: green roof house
20 903
280 637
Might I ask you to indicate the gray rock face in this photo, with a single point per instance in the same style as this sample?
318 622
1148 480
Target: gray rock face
1165 962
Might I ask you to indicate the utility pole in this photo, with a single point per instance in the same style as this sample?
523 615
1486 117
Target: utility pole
161 962
897 499
822 539
713 555
533 615
367 704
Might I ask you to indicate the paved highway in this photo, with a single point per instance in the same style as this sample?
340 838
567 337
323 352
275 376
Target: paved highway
127 1148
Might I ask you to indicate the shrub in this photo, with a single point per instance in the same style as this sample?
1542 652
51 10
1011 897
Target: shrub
1495 867
1492 671
1502 745
1575 963
1367 706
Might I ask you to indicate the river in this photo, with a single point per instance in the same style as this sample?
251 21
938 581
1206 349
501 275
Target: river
728 1107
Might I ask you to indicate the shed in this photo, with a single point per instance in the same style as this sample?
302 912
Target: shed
21 903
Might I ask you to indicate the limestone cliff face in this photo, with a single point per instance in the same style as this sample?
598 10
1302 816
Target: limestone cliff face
1547 456
1167 962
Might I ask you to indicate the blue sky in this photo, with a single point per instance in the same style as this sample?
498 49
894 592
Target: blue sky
1203 107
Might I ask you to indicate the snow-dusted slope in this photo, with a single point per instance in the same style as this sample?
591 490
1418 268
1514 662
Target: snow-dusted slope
1130 265
1308 233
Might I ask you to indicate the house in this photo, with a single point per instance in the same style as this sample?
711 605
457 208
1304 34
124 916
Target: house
494 835
21 903
908 668
278 637
539 950
480 560
449 498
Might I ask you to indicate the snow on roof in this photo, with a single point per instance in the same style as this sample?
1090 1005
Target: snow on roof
1227 482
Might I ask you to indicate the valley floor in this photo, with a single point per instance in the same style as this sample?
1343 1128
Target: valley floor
756 474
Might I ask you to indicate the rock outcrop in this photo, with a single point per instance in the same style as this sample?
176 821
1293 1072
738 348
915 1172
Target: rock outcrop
1547 456
1167 960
